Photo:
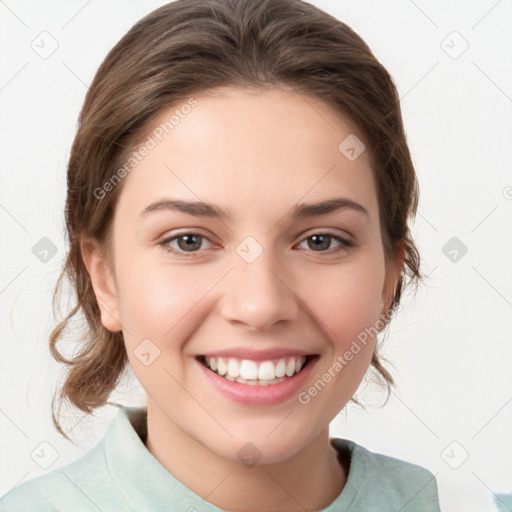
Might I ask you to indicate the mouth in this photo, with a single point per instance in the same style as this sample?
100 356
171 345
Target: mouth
269 372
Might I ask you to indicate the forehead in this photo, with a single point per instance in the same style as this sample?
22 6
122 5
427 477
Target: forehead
251 147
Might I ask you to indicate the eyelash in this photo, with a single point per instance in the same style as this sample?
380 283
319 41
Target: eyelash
344 243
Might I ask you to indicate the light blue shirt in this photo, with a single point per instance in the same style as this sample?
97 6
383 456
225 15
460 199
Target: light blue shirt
120 474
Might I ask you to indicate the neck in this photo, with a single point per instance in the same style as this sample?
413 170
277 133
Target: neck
310 480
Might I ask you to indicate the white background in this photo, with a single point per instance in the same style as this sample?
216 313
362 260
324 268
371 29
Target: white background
450 345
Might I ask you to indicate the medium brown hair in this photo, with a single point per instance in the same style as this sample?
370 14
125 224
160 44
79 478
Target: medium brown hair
191 46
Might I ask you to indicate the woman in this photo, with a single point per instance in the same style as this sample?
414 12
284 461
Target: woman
238 196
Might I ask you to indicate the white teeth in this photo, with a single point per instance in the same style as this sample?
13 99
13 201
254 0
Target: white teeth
290 367
280 368
261 373
233 368
221 366
267 371
248 370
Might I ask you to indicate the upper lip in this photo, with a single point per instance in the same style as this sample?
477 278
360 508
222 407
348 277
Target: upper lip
257 355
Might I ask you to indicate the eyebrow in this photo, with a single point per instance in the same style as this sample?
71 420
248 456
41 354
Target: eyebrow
202 209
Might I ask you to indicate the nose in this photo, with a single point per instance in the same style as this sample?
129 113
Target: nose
258 295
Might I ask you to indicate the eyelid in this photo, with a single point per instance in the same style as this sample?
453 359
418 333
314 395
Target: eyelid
331 232
345 242
315 231
166 239
185 255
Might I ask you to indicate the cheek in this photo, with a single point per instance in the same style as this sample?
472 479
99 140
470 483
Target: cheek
346 300
346 304
161 301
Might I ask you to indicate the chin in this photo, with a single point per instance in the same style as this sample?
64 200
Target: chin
271 443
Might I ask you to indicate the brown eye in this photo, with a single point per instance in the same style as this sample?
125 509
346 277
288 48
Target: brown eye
189 242
321 242
185 244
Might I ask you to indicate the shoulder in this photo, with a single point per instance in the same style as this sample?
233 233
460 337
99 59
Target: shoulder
386 483
47 492
24 498
89 482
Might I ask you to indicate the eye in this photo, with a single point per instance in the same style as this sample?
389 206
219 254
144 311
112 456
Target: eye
184 243
188 244
321 242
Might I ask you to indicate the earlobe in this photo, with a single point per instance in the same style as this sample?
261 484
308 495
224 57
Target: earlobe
103 283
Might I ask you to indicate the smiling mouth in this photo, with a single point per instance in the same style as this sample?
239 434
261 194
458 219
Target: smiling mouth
256 373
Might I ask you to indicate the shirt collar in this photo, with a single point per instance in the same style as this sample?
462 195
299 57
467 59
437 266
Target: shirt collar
145 482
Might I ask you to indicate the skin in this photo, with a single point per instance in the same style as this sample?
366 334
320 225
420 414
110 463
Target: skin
257 153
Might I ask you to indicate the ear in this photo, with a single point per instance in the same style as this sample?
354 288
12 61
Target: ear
393 275
103 283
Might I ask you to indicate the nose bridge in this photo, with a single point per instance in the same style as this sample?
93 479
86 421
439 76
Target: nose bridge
256 293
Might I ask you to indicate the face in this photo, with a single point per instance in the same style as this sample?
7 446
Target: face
258 284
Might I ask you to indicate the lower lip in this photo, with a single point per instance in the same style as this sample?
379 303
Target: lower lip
255 394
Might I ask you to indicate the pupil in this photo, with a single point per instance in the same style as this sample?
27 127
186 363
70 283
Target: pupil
324 241
190 242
